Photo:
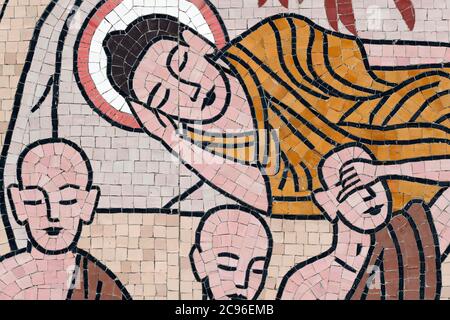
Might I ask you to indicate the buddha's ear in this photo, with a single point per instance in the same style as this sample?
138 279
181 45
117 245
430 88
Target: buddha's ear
324 200
17 205
198 266
197 43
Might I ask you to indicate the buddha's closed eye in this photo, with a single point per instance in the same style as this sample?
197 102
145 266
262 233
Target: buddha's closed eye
171 60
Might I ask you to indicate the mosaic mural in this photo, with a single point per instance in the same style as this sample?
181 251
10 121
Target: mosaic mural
286 160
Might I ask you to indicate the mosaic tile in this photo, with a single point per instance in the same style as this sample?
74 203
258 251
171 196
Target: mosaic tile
237 150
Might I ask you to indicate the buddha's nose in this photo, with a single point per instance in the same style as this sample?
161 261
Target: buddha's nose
190 88
194 98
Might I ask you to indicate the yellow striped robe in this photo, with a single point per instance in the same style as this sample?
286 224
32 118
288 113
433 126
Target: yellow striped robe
315 88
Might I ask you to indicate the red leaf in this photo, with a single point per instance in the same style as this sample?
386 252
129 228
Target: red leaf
331 10
406 8
285 3
346 15
261 3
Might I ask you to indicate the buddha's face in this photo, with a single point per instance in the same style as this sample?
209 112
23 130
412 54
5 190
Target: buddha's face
181 80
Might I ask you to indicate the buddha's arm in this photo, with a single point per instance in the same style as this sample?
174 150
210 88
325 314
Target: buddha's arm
242 181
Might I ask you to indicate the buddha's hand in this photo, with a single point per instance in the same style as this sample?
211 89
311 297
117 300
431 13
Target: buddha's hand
357 173
154 123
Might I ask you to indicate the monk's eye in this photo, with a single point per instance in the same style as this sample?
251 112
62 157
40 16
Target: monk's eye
68 202
226 268
32 202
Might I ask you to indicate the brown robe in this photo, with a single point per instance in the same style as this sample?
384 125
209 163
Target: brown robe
407 254
97 282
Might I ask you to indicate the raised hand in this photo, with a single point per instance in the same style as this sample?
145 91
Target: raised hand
356 174
154 123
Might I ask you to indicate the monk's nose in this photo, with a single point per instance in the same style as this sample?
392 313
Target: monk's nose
368 194
53 212
240 280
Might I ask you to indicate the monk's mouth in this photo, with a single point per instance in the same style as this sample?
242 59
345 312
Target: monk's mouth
374 210
237 297
53 231
210 98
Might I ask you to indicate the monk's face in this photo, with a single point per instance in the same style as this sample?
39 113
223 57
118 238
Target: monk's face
53 201
234 256
364 209
180 80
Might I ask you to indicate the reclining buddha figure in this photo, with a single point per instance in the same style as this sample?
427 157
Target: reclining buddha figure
261 112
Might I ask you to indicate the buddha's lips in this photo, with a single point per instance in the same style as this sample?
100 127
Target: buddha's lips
210 98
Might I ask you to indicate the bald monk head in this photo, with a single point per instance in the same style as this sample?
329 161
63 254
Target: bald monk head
231 253
54 196
364 209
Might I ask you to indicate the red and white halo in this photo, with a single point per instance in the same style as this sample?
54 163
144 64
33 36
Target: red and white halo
112 15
